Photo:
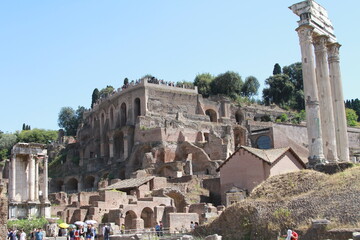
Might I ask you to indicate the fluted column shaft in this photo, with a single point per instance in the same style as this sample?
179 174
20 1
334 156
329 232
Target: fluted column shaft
12 178
325 99
36 179
31 180
338 102
316 153
46 180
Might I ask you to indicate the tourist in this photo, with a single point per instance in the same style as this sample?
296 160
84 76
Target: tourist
106 232
32 234
291 235
157 229
39 234
192 225
90 232
161 228
12 234
22 235
71 234
77 233
122 229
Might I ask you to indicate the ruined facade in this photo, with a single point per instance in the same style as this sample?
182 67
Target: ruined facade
324 101
28 181
168 131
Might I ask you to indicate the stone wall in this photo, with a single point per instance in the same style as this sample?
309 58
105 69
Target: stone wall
3 209
181 221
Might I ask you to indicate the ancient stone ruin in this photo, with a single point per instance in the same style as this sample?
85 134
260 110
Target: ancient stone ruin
325 109
28 181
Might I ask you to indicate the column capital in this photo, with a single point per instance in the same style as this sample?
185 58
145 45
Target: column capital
333 52
305 33
320 43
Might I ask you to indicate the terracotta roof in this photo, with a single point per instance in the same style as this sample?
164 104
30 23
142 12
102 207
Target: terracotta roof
268 155
130 183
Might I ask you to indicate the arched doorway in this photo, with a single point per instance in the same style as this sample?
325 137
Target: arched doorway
147 214
179 200
72 185
118 145
59 186
129 217
239 117
212 114
137 109
123 117
89 182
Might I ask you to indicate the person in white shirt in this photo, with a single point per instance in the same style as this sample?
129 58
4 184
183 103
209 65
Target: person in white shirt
22 235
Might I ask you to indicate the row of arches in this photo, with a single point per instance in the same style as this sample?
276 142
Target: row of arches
239 116
72 184
122 118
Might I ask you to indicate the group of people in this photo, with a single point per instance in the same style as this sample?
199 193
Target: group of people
14 234
79 233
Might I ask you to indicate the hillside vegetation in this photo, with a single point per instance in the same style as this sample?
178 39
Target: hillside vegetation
292 200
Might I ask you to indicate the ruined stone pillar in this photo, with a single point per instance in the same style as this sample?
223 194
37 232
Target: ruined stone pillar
126 146
12 178
138 223
31 179
36 179
46 180
316 153
338 102
326 104
111 147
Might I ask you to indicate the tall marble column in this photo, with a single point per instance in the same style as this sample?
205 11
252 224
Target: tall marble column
338 102
36 179
325 99
12 178
31 180
316 153
46 180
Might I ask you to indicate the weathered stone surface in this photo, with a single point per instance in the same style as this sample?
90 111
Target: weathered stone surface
213 237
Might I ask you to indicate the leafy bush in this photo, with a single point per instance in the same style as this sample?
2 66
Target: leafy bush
27 225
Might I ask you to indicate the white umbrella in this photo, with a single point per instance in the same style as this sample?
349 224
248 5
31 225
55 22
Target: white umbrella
91 222
80 223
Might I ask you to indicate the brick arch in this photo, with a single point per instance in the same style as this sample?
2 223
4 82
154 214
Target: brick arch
147 214
130 215
123 113
212 113
89 182
72 184
137 108
112 116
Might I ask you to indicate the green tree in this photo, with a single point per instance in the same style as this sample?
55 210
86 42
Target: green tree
355 105
95 96
37 136
250 87
280 90
351 117
228 84
7 141
69 119
106 91
294 71
277 69
203 81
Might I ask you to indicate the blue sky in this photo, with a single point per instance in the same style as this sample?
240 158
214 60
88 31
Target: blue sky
54 53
